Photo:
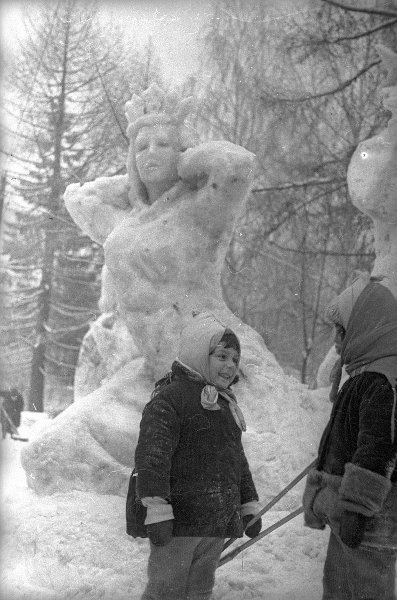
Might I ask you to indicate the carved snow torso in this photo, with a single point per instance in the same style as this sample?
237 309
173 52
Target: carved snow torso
163 257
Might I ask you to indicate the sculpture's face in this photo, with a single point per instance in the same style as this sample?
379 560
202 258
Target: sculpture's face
157 151
372 176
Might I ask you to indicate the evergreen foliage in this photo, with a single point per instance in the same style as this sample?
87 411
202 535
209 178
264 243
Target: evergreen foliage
67 84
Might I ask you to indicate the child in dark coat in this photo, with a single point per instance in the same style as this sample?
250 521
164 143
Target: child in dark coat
193 476
354 487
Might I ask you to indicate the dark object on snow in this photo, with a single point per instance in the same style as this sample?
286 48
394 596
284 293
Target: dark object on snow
11 407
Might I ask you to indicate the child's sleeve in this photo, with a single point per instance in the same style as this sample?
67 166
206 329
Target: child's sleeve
248 491
158 438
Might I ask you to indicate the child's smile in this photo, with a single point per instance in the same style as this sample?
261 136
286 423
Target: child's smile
223 363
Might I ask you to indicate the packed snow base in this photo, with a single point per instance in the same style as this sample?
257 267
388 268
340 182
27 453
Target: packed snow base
74 545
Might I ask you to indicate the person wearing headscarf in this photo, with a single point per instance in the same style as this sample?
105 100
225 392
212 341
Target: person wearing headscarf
192 473
354 486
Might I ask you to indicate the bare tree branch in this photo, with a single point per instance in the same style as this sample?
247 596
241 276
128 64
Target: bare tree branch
299 184
20 158
368 11
333 91
121 128
357 36
319 252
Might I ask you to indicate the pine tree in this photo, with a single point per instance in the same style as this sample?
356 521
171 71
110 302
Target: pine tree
67 85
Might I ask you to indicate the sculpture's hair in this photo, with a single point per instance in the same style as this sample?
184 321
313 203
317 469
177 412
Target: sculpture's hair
154 107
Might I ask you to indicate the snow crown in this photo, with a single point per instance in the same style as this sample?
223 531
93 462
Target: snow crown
154 107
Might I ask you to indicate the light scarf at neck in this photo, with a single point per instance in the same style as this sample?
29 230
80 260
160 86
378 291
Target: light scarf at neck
209 398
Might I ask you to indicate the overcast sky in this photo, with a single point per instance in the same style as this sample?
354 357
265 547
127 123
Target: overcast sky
173 25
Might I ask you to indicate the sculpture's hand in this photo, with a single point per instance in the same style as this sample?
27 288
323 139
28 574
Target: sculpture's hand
217 160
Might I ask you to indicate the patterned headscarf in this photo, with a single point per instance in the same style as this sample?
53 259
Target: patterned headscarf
199 338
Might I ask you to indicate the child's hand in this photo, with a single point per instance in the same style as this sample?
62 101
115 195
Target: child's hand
255 528
160 534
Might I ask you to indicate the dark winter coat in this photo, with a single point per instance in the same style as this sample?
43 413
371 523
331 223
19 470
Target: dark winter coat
194 458
359 429
356 466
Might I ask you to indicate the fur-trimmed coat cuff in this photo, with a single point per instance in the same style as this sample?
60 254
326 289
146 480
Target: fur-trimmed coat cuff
363 491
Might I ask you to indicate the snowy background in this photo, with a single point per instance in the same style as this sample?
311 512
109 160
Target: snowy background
74 545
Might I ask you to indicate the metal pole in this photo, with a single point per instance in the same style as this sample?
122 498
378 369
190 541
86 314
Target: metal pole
275 500
228 557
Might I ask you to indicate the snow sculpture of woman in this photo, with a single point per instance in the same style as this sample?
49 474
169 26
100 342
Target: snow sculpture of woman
165 228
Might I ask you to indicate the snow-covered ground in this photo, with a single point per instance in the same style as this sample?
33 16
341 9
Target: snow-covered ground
74 545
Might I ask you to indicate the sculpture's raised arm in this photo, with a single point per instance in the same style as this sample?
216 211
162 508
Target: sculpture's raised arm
98 206
227 172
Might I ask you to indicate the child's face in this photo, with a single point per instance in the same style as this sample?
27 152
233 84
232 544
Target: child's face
223 365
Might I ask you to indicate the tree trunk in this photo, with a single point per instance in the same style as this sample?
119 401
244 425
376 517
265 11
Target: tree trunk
36 393
37 378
